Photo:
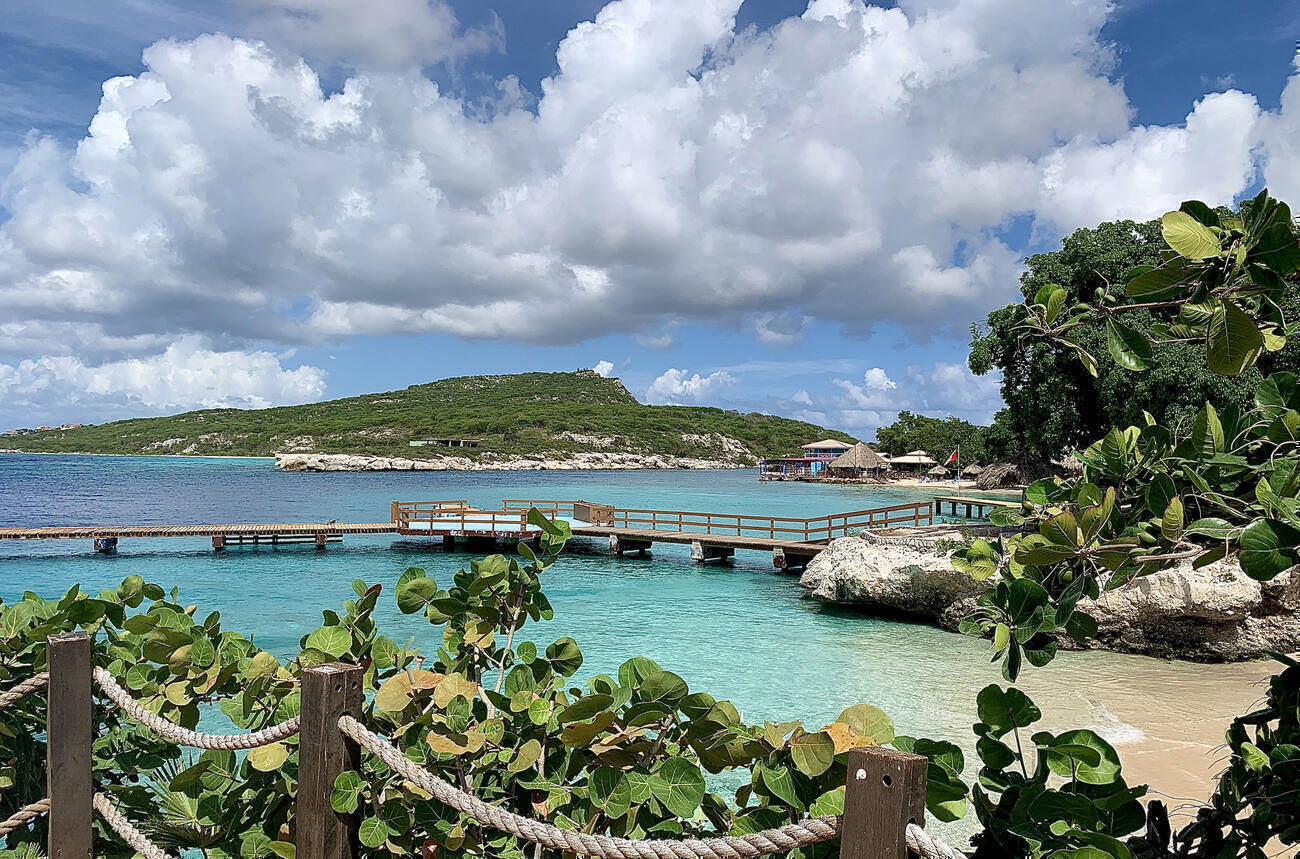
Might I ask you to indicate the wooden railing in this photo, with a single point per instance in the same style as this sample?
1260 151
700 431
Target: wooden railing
451 517
583 511
815 530
821 529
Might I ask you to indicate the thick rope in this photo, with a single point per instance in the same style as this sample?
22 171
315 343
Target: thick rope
174 732
123 827
924 844
23 689
802 834
24 816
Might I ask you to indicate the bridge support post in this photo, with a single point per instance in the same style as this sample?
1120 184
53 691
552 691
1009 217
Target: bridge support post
703 554
790 561
622 545
106 545
321 539
219 542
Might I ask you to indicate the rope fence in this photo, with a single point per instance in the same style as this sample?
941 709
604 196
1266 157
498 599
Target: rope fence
884 798
118 823
23 689
184 736
24 816
769 841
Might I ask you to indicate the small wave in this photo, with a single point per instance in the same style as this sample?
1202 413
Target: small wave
1113 730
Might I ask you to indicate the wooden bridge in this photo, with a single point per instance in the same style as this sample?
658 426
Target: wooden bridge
793 542
972 504
716 536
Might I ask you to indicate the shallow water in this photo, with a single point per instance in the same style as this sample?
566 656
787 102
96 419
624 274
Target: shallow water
742 632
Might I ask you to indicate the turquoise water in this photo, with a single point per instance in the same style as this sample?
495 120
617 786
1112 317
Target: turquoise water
741 632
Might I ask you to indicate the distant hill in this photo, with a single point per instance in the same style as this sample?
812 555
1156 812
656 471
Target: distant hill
514 415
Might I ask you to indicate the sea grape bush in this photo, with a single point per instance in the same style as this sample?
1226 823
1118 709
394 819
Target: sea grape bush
497 715
1225 485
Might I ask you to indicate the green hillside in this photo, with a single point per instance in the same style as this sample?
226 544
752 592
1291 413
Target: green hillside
530 413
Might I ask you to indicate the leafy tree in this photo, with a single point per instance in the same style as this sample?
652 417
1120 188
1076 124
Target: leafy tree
1225 484
938 437
1055 403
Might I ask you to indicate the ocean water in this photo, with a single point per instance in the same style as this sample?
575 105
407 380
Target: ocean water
742 632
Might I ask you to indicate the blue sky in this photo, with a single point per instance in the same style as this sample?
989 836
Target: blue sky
771 207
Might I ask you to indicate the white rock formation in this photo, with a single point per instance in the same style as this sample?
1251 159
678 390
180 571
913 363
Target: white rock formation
1213 614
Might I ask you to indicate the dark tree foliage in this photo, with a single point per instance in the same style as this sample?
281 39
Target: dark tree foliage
1053 403
938 437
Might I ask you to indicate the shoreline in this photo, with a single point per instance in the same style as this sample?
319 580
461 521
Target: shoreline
136 455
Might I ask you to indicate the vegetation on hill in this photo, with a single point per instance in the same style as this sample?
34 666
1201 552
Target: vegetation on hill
511 415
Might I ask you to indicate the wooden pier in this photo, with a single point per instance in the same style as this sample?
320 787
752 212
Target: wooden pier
716 536
793 542
976 504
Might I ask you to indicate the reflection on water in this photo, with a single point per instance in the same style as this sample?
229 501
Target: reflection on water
742 632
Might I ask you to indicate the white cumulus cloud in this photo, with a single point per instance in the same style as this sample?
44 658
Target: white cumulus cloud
186 375
604 368
675 386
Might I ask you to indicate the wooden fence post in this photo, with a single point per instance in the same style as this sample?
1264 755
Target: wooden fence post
884 792
69 734
328 692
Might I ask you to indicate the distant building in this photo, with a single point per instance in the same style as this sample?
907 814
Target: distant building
811 465
70 426
444 442
916 460
45 428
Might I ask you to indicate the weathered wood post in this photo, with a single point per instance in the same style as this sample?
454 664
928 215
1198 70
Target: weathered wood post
328 692
69 734
884 792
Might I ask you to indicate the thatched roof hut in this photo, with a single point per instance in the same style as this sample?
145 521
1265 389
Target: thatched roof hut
1004 474
938 471
860 457
972 470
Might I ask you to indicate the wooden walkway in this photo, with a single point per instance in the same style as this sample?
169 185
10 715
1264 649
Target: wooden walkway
793 542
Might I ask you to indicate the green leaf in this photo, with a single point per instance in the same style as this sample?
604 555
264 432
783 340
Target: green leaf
585 708
1154 284
334 640
1188 236
610 791
1171 524
780 784
1201 212
1268 547
1069 758
525 757
1003 710
1130 349
565 656
1054 304
679 785
1001 636
373 832
414 593
868 721
1253 757
346 795
1232 341
268 757
812 753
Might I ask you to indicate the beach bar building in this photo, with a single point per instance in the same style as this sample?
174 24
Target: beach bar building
858 462
916 461
810 465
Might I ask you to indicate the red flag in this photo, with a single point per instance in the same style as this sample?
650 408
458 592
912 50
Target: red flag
952 458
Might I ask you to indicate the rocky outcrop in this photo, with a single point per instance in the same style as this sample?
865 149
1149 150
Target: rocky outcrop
589 461
1214 614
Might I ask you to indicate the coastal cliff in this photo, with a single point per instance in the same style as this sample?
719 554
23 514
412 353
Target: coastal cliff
1215 614
489 462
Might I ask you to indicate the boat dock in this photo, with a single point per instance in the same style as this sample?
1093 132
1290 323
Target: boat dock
976 504
793 542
